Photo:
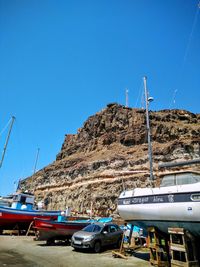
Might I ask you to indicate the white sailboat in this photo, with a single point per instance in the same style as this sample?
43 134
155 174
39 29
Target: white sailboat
175 203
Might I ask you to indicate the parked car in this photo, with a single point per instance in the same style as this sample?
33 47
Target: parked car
97 235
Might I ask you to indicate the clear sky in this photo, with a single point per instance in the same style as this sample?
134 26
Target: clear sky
62 61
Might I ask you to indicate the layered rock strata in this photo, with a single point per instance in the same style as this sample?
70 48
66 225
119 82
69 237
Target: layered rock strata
110 153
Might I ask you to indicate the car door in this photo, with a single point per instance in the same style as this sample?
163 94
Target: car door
114 235
106 236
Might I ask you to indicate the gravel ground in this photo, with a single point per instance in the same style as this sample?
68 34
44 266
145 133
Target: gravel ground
23 251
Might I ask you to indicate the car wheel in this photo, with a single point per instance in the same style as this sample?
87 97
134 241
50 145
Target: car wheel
67 242
50 242
37 235
97 247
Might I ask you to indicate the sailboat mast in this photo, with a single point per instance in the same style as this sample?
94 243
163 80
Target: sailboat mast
7 139
147 99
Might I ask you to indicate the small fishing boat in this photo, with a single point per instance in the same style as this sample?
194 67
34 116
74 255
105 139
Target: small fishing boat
50 230
22 213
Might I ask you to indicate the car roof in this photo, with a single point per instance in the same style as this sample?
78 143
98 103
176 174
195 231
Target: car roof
104 224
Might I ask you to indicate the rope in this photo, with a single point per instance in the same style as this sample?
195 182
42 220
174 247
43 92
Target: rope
139 94
173 99
186 52
191 34
5 127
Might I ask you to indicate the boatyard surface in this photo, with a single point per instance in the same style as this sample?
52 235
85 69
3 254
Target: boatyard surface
24 251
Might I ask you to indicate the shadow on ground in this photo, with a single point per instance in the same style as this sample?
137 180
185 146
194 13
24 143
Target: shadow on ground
10 258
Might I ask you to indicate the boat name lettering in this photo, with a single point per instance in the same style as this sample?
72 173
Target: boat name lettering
171 198
158 199
139 200
126 201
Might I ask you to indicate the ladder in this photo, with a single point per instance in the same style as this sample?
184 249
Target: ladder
183 248
158 247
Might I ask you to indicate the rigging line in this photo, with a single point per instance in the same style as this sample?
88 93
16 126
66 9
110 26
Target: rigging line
173 99
5 126
20 149
142 100
139 95
190 36
7 139
186 51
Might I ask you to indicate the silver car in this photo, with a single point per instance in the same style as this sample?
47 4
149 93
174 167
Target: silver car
96 236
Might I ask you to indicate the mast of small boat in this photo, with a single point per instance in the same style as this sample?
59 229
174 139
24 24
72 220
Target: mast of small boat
7 139
36 160
147 100
35 166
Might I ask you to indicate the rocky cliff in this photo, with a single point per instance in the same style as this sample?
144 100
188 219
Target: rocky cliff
110 152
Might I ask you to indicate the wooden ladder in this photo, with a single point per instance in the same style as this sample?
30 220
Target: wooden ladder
183 248
158 246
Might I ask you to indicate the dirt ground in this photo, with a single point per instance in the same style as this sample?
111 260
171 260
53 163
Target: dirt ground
23 251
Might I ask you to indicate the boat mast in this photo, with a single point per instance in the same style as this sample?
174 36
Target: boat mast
6 143
147 100
36 160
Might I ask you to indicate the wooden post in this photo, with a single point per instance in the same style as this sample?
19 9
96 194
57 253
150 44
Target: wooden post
29 228
120 254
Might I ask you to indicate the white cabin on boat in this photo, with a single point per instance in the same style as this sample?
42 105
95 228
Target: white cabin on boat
23 201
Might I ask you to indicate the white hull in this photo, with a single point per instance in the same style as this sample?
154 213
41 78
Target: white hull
164 207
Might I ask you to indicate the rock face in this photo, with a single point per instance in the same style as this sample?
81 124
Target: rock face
110 153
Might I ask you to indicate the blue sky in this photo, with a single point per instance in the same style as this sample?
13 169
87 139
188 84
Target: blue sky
62 61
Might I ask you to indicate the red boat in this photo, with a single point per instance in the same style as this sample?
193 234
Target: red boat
51 230
21 213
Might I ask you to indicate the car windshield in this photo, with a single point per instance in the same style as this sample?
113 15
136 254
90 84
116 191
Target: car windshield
92 228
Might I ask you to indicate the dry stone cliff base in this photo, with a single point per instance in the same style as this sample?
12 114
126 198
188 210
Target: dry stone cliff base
110 152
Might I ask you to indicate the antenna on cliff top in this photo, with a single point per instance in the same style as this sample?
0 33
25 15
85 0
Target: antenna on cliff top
126 97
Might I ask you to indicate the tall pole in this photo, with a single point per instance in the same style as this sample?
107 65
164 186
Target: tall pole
36 160
148 128
127 97
7 139
35 165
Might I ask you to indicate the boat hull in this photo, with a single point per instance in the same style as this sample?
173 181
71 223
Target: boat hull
163 216
11 218
54 230
163 226
173 210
